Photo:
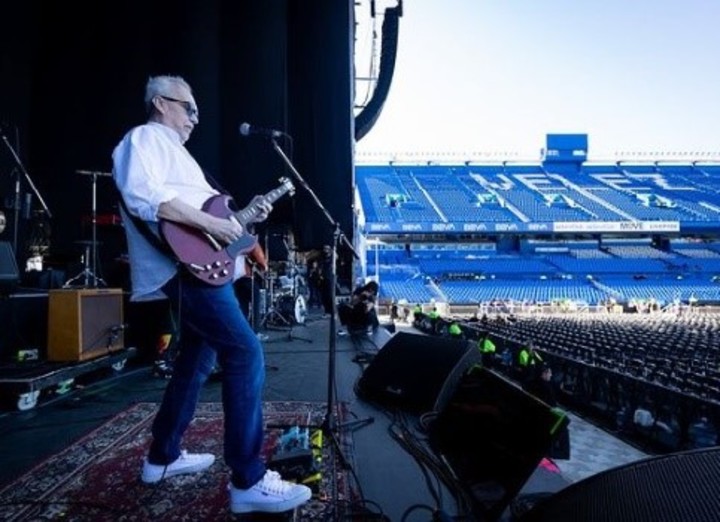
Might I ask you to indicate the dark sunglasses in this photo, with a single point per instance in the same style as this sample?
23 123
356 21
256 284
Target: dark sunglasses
189 109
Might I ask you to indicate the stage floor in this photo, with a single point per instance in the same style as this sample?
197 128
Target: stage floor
298 367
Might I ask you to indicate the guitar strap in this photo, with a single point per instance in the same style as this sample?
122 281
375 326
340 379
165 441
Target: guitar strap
151 236
214 183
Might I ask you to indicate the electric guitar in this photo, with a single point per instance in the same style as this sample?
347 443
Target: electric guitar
202 254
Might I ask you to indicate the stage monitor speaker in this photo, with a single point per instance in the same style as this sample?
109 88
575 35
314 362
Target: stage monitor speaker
415 372
493 435
84 323
678 487
9 275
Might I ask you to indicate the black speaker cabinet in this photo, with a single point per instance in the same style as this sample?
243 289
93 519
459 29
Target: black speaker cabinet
493 434
9 275
84 323
416 372
678 487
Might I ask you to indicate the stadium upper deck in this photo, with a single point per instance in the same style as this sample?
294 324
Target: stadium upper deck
501 198
559 194
560 219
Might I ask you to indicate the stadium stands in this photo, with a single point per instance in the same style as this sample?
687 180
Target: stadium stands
611 269
599 227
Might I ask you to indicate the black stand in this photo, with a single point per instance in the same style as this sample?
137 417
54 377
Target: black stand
289 337
271 313
16 201
329 425
16 211
89 276
290 325
253 305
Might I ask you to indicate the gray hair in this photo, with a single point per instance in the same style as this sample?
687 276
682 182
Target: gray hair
162 86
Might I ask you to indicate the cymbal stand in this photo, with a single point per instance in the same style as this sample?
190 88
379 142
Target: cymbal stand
272 315
290 335
93 211
89 274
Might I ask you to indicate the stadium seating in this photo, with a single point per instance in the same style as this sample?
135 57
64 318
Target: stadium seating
422 199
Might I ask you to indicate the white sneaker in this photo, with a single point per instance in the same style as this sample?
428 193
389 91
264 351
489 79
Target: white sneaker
271 495
185 463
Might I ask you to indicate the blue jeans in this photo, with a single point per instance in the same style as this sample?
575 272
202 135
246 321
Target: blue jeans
212 326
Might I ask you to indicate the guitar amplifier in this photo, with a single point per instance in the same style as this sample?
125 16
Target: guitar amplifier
84 323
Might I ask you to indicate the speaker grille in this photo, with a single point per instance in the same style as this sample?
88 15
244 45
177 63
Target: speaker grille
670 488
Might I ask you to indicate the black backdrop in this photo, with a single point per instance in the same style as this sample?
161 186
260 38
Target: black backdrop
72 77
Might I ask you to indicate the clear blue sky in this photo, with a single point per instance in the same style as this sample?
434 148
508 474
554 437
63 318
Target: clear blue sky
498 75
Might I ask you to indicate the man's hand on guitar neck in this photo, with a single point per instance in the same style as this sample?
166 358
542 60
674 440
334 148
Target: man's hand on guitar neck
264 208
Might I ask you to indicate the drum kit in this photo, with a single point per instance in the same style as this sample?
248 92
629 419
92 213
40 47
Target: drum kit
283 296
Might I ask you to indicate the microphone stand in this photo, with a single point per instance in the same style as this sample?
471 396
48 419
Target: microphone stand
16 209
16 202
329 425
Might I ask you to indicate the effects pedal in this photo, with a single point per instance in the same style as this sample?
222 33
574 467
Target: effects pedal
296 456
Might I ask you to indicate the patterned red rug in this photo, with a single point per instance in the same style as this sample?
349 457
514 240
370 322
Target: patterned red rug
97 477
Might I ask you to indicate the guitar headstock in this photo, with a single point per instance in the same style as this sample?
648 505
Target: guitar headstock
287 184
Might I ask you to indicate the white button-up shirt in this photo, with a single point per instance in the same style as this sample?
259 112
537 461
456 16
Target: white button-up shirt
150 167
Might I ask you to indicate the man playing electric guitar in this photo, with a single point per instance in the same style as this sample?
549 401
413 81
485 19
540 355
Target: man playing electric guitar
160 181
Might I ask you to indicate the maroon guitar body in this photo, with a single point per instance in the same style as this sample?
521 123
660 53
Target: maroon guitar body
203 255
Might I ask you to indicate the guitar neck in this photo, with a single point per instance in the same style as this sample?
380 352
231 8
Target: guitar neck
247 214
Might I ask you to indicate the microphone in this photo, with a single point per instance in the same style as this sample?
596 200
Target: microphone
251 130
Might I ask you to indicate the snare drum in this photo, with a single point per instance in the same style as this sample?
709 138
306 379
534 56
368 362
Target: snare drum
292 308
